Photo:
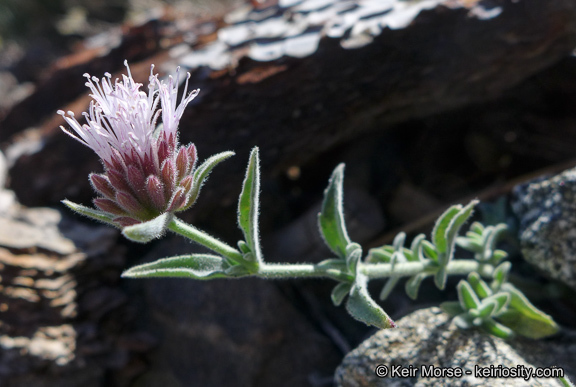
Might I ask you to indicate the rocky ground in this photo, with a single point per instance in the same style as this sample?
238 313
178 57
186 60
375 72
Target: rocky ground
428 103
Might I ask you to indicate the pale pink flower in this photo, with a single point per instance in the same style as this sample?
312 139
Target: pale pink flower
147 172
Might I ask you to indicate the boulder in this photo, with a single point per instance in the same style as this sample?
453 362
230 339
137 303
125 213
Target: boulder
428 338
546 209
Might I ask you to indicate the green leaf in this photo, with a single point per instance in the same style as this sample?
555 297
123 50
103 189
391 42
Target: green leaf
363 308
248 205
440 278
466 296
380 254
453 308
491 238
524 318
339 292
195 266
501 299
388 287
353 256
147 231
439 230
91 212
201 174
336 264
243 246
500 276
416 247
413 285
480 287
452 230
469 244
464 321
487 308
497 329
498 255
399 241
429 250
331 218
477 228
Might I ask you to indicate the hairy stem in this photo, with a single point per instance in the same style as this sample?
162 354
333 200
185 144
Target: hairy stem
373 270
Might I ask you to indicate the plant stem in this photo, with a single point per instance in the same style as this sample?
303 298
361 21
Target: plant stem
373 270
198 236
408 269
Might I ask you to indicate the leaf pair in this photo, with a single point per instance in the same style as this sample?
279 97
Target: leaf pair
333 230
482 242
444 238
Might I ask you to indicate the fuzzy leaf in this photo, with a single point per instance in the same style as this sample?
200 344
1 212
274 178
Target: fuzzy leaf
380 254
399 241
498 255
491 239
497 329
500 276
90 212
524 318
147 231
388 287
469 244
195 266
487 308
501 299
331 218
363 308
336 264
413 285
201 174
439 230
466 295
248 205
452 229
480 287
453 308
244 248
464 321
440 278
429 250
339 292
416 248
477 228
353 256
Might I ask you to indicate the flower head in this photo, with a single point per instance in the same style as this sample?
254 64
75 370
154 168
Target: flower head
147 172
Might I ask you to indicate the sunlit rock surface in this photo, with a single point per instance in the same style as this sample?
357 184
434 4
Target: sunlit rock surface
428 338
546 208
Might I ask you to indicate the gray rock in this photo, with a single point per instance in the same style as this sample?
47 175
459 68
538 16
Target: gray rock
547 211
427 337
59 281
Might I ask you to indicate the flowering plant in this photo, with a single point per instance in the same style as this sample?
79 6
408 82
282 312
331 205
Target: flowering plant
149 177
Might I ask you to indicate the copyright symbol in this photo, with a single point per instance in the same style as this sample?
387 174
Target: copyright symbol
381 370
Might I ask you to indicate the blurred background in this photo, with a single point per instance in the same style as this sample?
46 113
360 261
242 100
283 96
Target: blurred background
429 103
